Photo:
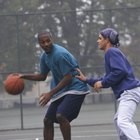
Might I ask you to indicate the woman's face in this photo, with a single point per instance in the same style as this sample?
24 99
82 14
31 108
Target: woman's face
102 42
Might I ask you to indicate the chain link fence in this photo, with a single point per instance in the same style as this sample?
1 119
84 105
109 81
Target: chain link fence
20 53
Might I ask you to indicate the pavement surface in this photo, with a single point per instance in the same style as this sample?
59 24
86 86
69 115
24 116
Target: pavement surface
94 122
101 132
89 132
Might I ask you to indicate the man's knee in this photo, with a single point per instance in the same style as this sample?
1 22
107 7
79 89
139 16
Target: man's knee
61 118
47 122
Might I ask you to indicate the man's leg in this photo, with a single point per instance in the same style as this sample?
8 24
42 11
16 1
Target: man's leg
64 126
49 120
68 110
48 132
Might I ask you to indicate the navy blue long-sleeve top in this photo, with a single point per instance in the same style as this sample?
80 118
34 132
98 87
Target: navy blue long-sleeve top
119 74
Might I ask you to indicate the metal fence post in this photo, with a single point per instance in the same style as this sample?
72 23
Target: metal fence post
19 69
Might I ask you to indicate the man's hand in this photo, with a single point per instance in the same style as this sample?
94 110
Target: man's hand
16 74
44 99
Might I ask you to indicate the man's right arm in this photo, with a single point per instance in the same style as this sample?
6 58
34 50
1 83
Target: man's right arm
34 77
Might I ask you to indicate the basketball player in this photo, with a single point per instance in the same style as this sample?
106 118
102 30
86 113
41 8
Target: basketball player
67 92
120 77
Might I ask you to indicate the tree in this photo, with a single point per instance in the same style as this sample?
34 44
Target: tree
75 25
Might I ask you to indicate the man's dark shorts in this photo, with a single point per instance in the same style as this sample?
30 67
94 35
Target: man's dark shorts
69 106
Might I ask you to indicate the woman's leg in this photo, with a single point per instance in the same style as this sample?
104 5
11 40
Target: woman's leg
126 110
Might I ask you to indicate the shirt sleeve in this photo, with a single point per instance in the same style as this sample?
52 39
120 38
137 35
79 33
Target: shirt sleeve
92 81
43 66
115 61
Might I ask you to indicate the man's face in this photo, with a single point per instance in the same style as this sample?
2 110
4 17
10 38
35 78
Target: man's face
45 42
102 42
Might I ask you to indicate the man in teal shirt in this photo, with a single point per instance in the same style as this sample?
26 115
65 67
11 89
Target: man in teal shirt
67 93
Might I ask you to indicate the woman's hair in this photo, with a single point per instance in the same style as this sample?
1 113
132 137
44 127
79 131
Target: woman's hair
112 35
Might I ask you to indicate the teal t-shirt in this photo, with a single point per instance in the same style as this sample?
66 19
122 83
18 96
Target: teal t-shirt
60 62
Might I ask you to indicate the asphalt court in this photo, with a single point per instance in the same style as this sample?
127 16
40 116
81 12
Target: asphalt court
95 122
93 132
89 132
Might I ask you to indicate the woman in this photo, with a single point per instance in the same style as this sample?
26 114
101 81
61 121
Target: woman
120 77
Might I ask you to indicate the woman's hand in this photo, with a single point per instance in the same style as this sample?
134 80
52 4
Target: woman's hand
81 76
97 85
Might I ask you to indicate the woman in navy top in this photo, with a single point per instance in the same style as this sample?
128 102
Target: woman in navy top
120 77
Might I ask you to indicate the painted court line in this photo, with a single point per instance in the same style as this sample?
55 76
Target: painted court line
37 133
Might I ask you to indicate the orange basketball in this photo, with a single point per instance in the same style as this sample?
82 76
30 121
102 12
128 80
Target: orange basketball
14 85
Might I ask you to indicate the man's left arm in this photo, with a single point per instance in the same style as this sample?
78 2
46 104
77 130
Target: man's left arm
45 97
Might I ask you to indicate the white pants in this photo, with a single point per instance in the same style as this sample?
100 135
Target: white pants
125 126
